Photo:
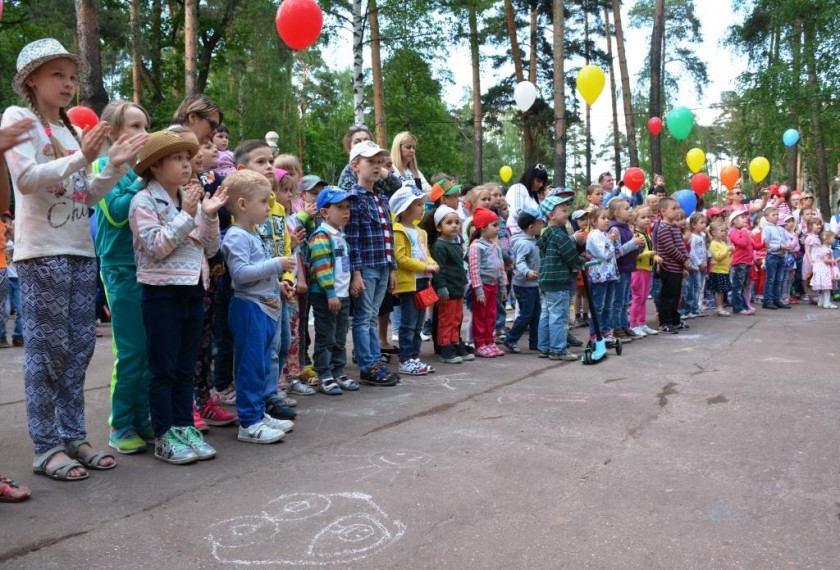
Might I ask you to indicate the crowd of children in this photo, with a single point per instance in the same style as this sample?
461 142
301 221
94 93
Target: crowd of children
212 262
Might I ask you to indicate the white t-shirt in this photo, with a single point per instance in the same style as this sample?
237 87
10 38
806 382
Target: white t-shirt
341 271
518 199
53 195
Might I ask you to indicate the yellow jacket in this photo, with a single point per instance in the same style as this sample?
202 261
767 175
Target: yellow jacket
721 257
273 232
407 266
644 262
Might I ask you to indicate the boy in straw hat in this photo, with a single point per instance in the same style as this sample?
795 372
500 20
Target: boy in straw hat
176 227
54 253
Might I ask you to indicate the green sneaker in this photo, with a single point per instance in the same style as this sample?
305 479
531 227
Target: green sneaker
171 449
195 440
126 441
147 433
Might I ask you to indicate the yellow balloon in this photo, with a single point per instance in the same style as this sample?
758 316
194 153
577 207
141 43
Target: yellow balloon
695 159
505 173
590 83
759 168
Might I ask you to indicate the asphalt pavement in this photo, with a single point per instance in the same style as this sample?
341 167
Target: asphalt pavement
714 448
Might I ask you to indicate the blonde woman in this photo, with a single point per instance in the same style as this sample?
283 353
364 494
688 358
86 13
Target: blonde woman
404 157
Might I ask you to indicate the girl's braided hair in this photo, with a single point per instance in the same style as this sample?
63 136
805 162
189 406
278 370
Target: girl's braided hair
59 149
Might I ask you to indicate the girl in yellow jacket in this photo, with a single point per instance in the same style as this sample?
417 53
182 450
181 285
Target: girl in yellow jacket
414 268
642 278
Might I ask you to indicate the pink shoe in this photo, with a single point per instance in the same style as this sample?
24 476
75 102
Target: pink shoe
484 352
497 351
215 415
199 423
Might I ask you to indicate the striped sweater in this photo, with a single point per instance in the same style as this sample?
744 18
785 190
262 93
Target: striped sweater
170 246
670 247
329 262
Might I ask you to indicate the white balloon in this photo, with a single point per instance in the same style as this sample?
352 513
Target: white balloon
525 94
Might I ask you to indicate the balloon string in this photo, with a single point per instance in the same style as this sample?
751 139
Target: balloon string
301 104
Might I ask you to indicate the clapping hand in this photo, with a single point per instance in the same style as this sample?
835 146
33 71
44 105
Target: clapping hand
210 205
94 138
15 134
191 198
125 150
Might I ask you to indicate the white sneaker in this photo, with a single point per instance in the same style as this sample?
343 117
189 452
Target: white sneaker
647 330
425 337
830 306
412 368
395 337
282 425
639 331
260 433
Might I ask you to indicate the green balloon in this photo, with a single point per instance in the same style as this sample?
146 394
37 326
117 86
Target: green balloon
680 121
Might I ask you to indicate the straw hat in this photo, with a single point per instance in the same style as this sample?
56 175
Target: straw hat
160 145
36 54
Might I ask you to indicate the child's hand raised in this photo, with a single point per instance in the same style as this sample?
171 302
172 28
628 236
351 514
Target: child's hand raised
15 134
191 198
212 204
614 234
125 150
93 139
638 240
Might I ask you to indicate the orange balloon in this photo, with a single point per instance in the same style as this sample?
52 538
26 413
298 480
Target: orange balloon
730 175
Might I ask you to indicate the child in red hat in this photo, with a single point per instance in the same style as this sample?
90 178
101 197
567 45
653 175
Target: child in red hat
488 279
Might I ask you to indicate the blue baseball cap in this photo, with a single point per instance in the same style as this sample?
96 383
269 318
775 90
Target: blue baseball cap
548 205
330 195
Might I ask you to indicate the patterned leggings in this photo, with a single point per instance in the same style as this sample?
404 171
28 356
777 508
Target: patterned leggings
58 295
291 371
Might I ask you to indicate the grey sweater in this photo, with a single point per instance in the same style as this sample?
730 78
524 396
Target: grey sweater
526 257
255 275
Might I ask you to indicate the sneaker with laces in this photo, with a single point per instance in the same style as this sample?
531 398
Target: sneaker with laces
193 438
215 415
632 334
639 332
283 425
171 449
126 441
683 326
668 329
347 383
512 348
277 409
484 352
226 397
647 330
565 355
260 433
198 422
425 337
428 368
412 368
496 350
298 388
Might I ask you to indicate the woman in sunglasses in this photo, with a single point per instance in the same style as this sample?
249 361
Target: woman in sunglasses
388 184
525 194
201 115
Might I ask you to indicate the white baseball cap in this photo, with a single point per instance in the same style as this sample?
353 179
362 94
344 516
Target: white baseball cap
367 149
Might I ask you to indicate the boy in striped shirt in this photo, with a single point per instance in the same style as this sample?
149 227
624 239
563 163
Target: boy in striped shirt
673 261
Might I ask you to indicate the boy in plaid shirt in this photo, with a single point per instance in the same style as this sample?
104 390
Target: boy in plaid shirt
371 241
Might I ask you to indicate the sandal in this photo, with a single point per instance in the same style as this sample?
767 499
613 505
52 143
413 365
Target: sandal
389 350
11 491
331 388
93 459
60 473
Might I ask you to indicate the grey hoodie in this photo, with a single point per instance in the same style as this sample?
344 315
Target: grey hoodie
526 257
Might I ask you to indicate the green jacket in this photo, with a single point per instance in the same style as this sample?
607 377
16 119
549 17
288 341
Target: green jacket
559 260
114 240
451 280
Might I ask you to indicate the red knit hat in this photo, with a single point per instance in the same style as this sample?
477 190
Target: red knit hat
482 217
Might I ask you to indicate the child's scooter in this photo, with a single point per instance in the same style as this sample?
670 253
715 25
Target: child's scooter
596 350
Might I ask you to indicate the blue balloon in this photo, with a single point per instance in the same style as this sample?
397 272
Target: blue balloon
790 138
687 201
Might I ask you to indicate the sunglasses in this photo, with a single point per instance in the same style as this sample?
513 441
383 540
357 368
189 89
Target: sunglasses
540 167
807 198
738 193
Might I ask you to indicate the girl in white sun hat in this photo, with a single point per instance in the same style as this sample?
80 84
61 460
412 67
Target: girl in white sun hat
54 254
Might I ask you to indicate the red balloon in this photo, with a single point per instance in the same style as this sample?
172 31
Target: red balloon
655 126
634 178
700 183
299 23
82 117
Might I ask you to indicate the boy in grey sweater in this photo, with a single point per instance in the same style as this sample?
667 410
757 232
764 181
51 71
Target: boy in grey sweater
526 270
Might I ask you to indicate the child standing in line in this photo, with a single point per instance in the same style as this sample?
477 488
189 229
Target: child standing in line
692 290
813 228
488 279
824 277
776 246
329 292
371 240
643 276
526 273
672 259
54 253
450 283
721 253
559 264
742 261
415 266
790 259
627 250
255 306
601 247
175 229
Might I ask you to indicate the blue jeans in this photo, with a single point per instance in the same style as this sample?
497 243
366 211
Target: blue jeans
740 273
279 350
603 295
691 292
411 323
530 315
554 320
253 337
14 303
621 300
775 265
366 316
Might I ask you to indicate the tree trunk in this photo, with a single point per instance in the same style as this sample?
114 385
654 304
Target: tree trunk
190 46
588 145
626 93
152 76
478 135
532 45
527 132
376 65
793 152
656 81
616 139
559 93
358 59
91 90
136 61
209 43
815 103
